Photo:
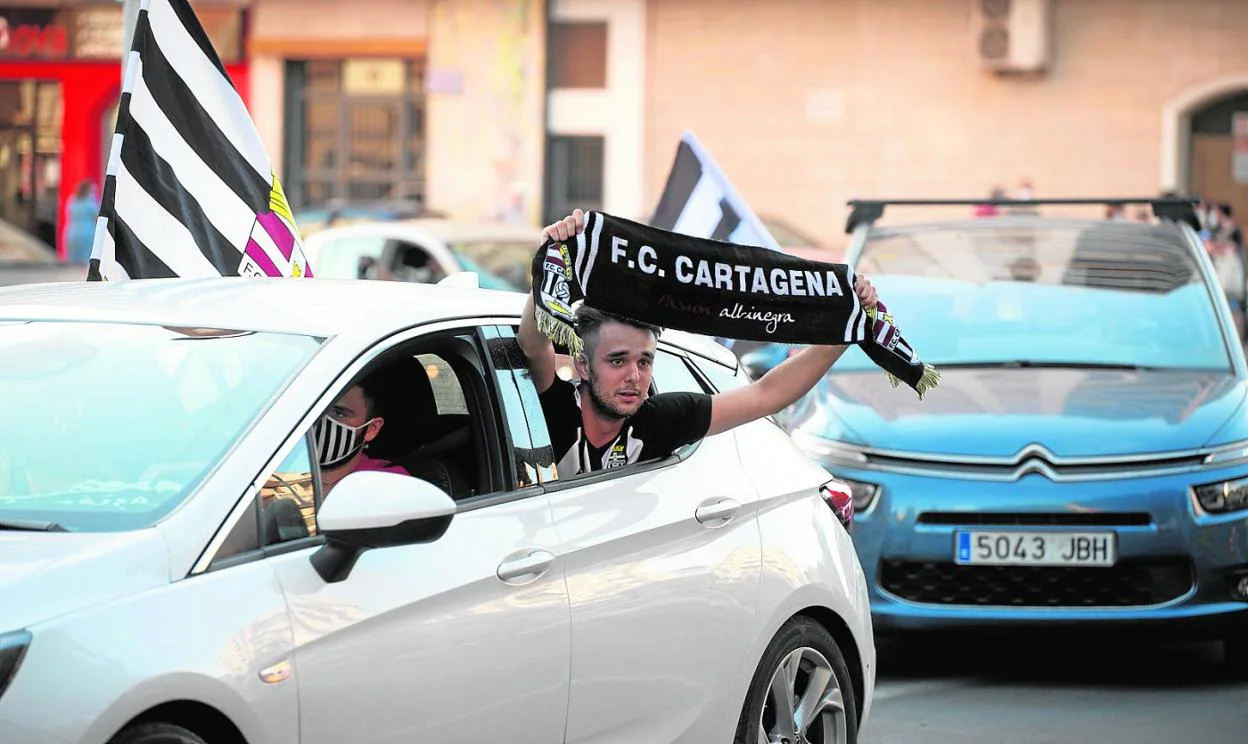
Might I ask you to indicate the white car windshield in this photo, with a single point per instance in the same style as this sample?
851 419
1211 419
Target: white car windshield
109 427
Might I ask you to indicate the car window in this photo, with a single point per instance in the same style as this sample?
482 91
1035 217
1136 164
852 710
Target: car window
284 511
419 411
120 423
447 391
242 540
1088 293
429 408
672 374
339 258
288 499
292 493
529 440
441 423
412 263
723 378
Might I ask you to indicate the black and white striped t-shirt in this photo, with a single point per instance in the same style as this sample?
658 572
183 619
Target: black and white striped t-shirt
663 424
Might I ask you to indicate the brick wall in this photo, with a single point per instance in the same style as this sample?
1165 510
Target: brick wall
807 103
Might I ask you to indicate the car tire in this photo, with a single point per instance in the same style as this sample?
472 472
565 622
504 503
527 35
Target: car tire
156 733
816 670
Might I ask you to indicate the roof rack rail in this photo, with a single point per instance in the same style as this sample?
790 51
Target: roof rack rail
1175 208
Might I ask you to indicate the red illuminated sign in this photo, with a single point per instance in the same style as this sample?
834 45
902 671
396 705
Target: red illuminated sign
32 33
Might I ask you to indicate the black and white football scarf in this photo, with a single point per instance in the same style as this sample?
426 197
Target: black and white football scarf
716 289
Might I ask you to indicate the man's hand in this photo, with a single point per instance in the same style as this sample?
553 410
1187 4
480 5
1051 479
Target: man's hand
539 352
866 292
785 384
565 229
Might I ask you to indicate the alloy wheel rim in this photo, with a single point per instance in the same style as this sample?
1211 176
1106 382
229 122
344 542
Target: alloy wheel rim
803 704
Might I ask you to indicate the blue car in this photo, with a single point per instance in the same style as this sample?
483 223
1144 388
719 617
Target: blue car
1085 457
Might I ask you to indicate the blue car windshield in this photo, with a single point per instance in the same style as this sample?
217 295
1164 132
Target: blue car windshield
108 427
1075 293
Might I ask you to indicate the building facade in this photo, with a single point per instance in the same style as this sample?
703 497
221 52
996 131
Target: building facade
532 107
518 110
859 98
435 101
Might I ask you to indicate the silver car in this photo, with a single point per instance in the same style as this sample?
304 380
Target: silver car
171 572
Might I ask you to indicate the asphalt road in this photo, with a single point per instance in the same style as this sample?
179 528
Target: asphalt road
1021 690
32 273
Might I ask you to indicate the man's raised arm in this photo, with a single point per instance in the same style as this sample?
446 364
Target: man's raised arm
782 386
538 350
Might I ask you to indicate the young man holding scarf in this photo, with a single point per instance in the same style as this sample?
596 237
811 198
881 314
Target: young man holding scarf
608 420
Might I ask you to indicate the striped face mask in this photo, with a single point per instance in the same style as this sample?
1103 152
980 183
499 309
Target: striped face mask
336 442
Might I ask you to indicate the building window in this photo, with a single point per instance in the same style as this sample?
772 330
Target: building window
31 115
578 55
355 131
574 174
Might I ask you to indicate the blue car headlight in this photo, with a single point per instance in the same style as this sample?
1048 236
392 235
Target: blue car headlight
1220 498
12 648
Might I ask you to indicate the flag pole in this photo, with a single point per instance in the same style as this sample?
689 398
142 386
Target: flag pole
129 20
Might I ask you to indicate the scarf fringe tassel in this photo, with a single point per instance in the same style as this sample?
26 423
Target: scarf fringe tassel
558 331
929 380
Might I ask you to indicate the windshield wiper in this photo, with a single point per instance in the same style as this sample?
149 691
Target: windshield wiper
30 525
1029 364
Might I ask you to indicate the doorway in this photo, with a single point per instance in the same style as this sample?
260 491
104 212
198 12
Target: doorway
355 132
1212 154
30 156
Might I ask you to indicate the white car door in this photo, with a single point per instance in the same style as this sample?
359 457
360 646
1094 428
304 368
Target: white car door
663 566
465 638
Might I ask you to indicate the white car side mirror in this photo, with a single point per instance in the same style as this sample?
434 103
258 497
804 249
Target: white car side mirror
370 510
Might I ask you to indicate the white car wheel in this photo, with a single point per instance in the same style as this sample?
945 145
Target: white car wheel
801 692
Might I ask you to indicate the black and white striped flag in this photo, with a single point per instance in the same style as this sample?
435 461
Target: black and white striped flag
700 201
190 190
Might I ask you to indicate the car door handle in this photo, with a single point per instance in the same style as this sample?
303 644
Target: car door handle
720 511
529 566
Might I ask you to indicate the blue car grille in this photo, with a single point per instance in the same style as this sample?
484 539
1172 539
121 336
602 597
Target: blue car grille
1056 469
1038 519
1130 583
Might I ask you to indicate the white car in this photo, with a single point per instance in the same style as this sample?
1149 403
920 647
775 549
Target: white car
170 575
425 250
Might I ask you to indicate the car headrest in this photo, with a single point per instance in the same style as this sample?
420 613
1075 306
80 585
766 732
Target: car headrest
403 397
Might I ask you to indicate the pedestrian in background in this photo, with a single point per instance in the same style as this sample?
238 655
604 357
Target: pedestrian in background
1226 225
80 214
1025 192
989 209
